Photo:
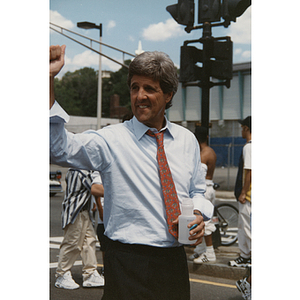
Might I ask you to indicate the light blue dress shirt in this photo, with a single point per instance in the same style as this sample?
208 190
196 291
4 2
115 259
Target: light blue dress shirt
125 156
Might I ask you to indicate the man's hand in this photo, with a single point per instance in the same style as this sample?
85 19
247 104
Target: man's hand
57 59
196 233
242 198
246 187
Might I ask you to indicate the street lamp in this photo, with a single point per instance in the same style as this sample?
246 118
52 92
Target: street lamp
89 25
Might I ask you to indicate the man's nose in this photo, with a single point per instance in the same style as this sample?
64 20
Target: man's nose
141 94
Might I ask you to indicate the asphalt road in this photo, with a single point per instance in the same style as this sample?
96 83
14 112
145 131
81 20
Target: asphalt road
202 287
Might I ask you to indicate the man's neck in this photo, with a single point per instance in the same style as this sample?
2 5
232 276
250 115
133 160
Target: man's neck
248 138
203 145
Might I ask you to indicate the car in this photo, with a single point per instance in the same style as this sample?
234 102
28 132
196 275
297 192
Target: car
55 184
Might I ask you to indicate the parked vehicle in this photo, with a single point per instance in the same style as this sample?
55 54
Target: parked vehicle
55 184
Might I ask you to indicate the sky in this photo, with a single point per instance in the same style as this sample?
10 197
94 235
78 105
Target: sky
125 23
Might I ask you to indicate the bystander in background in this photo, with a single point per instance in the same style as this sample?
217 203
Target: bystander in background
79 234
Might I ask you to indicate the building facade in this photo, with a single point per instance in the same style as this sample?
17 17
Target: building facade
227 106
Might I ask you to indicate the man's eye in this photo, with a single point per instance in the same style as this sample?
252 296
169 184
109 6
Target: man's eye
150 89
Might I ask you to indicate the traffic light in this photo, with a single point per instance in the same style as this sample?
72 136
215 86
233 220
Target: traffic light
231 9
218 60
209 11
189 57
221 63
183 12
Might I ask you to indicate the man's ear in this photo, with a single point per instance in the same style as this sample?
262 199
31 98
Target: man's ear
168 96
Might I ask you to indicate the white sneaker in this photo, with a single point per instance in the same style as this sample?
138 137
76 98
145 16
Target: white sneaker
207 257
66 282
244 287
94 280
193 256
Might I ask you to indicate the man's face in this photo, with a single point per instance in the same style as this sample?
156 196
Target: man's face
148 101
244 131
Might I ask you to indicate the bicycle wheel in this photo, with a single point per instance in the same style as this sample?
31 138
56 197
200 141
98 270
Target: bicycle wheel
228 223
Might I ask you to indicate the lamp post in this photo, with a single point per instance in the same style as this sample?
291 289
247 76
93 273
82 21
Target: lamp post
88 25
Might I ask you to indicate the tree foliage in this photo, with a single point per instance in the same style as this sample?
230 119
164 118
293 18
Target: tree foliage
77 91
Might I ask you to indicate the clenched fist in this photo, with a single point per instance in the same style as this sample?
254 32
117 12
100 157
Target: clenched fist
57 59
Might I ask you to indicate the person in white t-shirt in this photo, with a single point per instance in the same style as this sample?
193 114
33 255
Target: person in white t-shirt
243 195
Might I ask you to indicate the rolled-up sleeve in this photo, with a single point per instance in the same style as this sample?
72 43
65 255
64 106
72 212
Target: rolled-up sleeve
88 150
96 178
57 114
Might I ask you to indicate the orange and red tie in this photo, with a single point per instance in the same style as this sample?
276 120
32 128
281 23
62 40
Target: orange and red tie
168 187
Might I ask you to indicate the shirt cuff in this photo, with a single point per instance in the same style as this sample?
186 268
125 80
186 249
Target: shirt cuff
57 111
204 206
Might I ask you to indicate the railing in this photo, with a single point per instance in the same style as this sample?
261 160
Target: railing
227 157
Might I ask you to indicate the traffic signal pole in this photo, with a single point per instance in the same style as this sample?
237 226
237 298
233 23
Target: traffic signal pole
216 55
205 83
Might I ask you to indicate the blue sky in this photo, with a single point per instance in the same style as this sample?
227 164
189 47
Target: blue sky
126 22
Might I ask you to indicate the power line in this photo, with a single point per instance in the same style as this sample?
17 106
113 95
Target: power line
91 40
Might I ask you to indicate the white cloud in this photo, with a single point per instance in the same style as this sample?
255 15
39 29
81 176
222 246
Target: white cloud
108 64
131 38
240 31
111 24
238 51
88 59
162 31
85 59
246 54
58 19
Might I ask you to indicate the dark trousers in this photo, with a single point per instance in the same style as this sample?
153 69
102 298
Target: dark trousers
138 272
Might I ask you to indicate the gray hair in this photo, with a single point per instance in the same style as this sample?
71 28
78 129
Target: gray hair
158 66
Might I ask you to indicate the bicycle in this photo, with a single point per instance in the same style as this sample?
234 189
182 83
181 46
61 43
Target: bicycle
226 220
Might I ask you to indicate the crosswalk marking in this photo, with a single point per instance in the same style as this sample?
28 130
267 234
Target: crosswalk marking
56 239
54 246
76 263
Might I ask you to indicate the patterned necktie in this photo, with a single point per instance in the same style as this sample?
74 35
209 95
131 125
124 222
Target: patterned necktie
168 187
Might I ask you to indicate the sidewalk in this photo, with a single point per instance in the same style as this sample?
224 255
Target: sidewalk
220 268
223 254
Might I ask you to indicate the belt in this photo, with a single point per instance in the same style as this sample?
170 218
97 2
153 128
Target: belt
144 249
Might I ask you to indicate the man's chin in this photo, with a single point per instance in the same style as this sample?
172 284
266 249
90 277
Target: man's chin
141 116
142 119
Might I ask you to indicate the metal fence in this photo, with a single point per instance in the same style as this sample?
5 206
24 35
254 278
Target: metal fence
227 162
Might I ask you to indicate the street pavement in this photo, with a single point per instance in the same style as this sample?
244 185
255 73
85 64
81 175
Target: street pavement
203 286
218 272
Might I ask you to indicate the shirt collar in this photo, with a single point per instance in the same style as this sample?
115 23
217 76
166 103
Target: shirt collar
140 129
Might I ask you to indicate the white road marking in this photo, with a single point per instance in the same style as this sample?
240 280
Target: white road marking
76 263
54 246
56 239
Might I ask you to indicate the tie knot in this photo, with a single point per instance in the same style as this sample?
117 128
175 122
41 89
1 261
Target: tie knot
159 136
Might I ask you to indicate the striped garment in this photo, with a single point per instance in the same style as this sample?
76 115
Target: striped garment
77 194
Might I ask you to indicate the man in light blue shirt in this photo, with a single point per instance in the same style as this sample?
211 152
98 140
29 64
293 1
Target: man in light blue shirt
141 253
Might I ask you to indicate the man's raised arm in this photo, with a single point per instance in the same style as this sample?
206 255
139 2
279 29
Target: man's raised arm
57 60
